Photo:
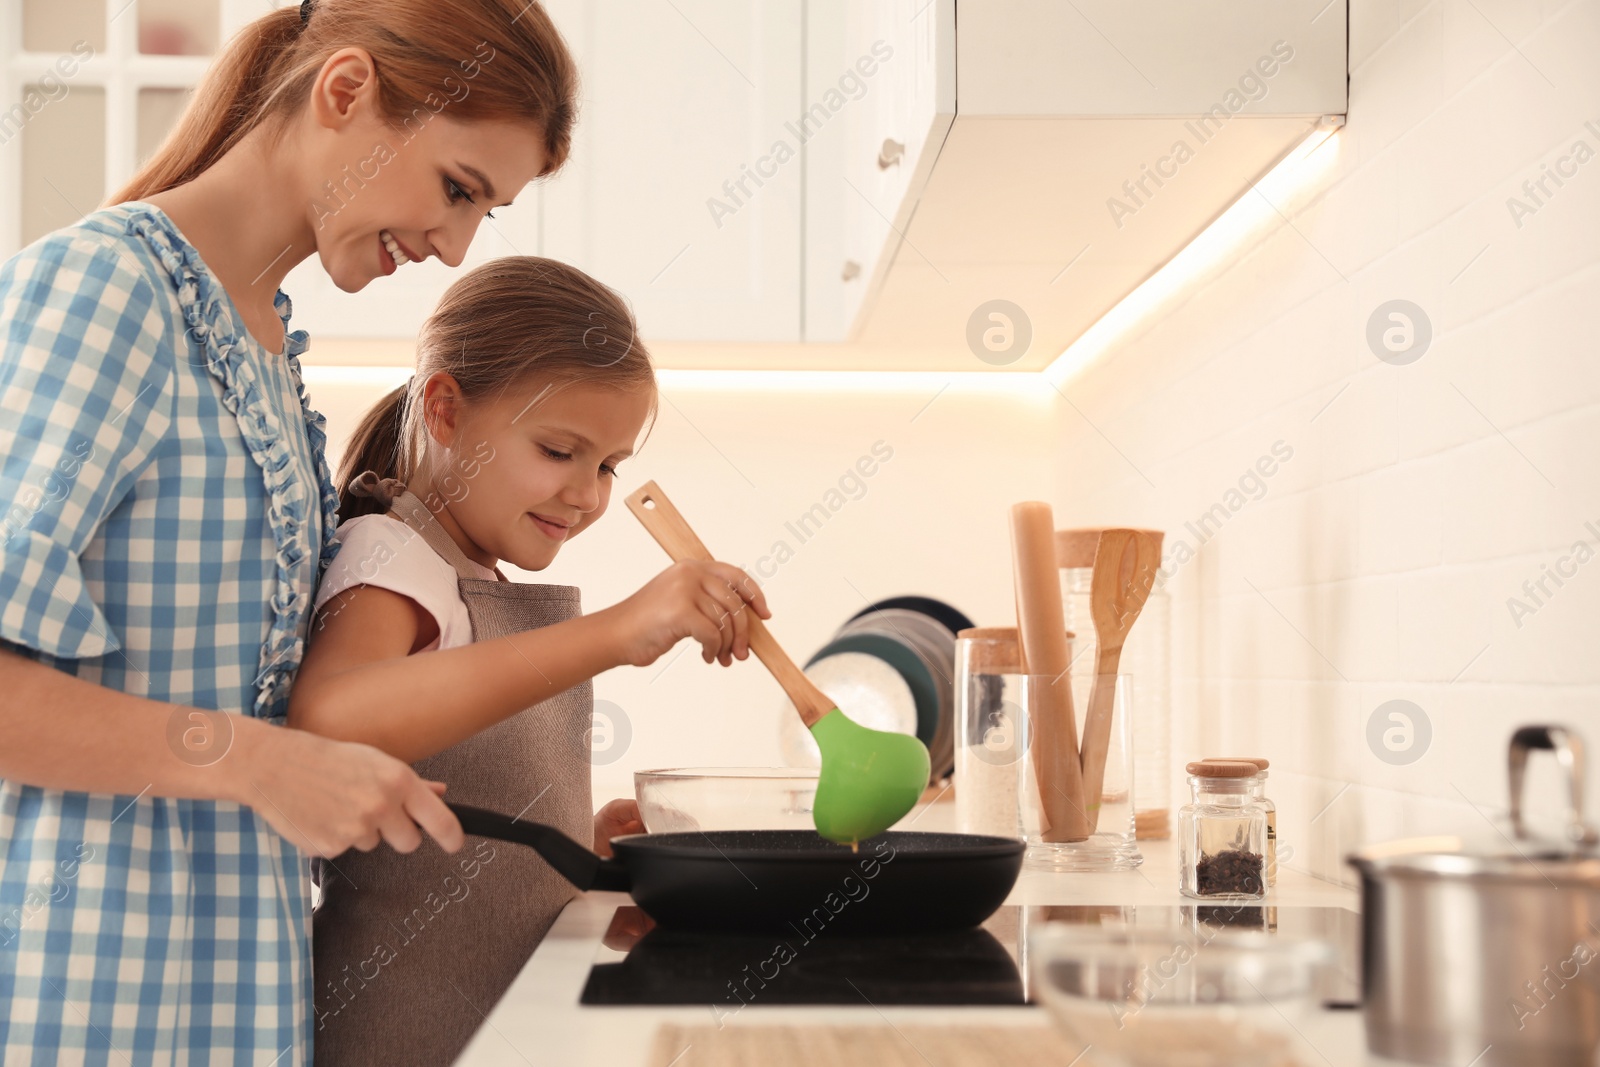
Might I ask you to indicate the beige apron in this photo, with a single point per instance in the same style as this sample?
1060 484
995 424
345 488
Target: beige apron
412 951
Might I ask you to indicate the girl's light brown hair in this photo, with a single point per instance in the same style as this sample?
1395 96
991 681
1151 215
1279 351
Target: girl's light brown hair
470 59
517 324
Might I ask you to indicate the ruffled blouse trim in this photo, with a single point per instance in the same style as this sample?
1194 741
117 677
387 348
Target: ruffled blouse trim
209 315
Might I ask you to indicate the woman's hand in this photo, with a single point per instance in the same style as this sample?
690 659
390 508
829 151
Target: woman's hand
328 796
618 817
692 598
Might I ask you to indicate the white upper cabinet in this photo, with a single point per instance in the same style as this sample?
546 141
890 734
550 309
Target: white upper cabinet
1089 143
878 110
865 175
683 189
685 181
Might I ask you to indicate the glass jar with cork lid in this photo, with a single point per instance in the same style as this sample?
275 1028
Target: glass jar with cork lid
1222 833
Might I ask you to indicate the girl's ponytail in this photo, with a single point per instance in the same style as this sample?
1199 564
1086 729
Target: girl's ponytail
375 446
225 106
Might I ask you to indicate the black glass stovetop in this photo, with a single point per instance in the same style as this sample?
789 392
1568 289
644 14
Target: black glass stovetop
640 963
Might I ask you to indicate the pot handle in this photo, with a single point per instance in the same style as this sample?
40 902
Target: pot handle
569 859
1568 749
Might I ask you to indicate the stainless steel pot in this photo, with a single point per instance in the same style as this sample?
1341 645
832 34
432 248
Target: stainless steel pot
1489 956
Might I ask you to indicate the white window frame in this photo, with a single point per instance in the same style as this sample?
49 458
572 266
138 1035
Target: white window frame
121 71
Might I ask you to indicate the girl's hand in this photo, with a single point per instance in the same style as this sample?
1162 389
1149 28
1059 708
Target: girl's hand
617 818
328 796
693 598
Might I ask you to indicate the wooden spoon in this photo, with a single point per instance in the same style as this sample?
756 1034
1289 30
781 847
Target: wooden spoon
1125 564
1042 631
870 778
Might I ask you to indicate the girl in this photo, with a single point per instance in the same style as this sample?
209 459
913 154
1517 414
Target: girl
530 388
165 503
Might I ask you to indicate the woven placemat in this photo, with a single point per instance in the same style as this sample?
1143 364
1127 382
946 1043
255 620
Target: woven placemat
862 1046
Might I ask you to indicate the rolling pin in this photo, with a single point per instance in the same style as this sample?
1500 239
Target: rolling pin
1042 630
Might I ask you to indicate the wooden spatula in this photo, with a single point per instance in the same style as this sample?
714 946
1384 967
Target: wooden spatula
869 778
1125 564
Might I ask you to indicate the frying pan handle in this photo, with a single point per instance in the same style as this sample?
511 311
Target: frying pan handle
571 860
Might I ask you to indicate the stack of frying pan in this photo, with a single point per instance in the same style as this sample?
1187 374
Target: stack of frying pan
896 658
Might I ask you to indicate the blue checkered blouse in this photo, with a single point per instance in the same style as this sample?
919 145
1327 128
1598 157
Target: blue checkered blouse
167 504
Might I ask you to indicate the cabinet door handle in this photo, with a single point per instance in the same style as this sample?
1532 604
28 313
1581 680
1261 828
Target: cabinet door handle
890 154
852 270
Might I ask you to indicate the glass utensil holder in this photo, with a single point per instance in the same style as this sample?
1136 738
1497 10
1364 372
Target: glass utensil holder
1112 845
997 779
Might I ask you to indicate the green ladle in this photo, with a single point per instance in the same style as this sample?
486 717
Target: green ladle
870 778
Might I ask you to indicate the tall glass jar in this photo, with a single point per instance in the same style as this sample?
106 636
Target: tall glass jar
1222 833
1259 794
1147 656
990 748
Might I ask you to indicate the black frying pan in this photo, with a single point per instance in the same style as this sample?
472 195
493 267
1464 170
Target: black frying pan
785 880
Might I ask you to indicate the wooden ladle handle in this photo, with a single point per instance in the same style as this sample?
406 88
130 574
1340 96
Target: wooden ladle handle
672 532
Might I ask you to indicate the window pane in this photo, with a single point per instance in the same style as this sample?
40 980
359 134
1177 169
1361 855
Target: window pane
158 113
55 25
63 159
178 27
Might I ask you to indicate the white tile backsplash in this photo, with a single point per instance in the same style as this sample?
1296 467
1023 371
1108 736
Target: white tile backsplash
1379 561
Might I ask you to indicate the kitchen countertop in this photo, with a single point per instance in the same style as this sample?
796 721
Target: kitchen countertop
540 1019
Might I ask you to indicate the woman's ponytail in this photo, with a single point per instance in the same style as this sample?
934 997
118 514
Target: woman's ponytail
375 446
227 104
499 60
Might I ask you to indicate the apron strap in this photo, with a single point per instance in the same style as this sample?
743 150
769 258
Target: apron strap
409 509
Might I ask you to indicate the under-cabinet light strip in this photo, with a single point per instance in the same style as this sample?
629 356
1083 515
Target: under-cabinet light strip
777 381
1261 206
1251 215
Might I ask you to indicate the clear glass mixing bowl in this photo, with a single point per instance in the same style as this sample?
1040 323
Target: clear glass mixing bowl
1179 997
726 798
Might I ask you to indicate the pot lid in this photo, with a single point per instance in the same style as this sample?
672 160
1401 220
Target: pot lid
1511 851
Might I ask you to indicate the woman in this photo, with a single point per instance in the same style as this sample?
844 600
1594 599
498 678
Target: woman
168 505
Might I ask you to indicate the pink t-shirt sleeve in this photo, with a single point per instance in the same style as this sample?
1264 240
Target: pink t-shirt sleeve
384 552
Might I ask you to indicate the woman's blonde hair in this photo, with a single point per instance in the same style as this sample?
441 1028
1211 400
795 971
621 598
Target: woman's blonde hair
508 325
476 59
